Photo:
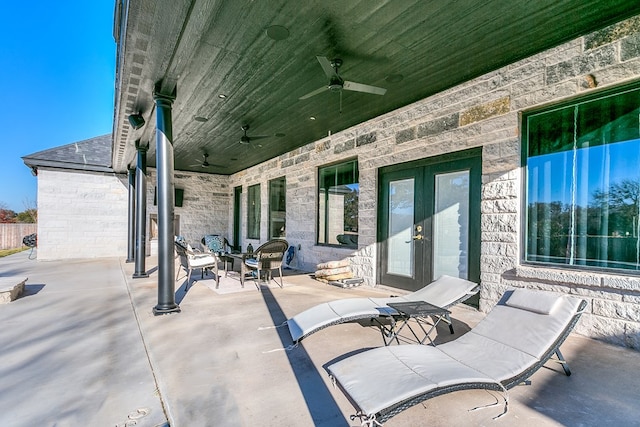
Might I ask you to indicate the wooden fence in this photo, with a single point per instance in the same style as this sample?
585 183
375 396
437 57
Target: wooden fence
11 234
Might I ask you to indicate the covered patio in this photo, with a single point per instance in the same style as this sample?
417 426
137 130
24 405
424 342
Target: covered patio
220 100
83 347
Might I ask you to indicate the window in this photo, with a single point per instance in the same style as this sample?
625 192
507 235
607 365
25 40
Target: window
178 196
338 192
237 215
583 183
253 212
277 208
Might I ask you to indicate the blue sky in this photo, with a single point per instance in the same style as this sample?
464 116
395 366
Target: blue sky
57 65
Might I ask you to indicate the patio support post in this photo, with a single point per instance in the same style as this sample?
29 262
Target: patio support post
131 216
141 212
166 231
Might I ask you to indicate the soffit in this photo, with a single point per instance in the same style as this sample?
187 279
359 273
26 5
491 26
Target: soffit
202 49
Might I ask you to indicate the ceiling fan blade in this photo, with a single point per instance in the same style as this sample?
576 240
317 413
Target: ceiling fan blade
315 92
252 137
360 87
326 66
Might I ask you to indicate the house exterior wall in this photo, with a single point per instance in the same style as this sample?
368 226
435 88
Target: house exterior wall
81 214
205 206
483 112
85 214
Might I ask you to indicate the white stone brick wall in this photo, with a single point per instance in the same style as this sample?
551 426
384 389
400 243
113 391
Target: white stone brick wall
205 209
484 112
81 215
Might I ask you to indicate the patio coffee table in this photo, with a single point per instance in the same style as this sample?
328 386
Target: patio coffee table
418 310
243 268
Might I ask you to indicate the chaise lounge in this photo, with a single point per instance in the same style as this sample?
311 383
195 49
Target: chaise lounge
511 343
444 292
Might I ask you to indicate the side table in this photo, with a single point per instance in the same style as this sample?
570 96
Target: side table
418 310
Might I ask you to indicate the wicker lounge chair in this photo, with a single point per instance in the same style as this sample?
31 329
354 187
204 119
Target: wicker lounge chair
511 343
444 292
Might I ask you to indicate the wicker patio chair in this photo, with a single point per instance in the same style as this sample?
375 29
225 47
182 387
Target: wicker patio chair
266 258
191 260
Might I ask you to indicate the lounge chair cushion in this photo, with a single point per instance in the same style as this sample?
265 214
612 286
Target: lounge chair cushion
506 323
379 378
334 312
502 350
541 303
492 358
443 292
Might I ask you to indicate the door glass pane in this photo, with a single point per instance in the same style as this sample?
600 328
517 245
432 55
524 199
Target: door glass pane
400 243
451 225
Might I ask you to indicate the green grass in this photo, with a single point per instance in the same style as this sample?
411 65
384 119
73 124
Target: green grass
5 252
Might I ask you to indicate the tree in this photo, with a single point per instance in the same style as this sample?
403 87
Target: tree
29 216
30 213
6 214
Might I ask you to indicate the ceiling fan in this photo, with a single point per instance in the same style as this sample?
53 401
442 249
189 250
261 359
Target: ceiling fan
337 83
205 162
246 139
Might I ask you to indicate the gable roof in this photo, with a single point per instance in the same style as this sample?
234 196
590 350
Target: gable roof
92 154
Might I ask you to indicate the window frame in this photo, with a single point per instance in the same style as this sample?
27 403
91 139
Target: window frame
319 171
272 183
253 191
574 101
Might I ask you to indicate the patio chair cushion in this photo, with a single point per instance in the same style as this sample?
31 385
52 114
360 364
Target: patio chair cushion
214 242
202 260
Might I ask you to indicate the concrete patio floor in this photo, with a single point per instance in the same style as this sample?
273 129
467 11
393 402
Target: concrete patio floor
82 348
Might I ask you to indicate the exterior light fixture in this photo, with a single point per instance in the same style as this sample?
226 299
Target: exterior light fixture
136 121
222 96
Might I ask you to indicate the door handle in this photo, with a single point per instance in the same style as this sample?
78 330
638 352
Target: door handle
418 235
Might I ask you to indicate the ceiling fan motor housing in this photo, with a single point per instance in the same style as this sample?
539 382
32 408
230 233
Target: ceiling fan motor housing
336 83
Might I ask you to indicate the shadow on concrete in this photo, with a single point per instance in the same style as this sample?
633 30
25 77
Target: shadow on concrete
322 407
32 289
602 389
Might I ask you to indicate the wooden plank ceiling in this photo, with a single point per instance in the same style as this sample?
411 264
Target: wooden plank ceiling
205 49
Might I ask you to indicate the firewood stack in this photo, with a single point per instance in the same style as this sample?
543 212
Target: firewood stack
337 273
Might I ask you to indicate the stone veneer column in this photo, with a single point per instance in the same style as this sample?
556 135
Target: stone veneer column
166 233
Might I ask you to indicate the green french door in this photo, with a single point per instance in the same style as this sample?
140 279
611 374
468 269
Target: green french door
430 220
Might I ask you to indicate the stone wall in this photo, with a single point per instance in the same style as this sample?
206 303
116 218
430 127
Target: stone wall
85 214
81 215
205 206
484 112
